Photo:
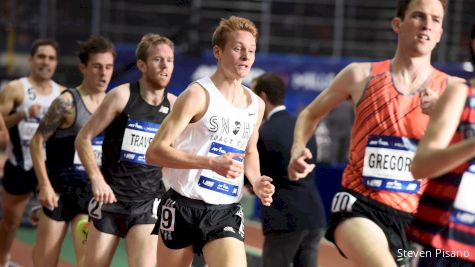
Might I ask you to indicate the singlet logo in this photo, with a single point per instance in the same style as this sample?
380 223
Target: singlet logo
222 125
229 131
164 110
237 127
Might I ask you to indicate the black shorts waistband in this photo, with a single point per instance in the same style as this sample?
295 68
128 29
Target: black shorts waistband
195 203
377 205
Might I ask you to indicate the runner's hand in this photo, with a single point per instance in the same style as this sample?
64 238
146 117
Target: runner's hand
226 165
47 197
103 192
298 167
428 99
264 189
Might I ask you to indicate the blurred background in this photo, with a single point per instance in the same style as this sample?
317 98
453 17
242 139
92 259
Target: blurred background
305 41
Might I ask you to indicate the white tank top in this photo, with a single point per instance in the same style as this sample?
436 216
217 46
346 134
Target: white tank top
27 127
223 128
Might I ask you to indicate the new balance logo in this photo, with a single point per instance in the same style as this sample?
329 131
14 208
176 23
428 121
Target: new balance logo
229 229
164 109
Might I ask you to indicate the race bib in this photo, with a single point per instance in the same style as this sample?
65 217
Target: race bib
137 136
464 204
94 209
215 182
387 164
26 130
96 148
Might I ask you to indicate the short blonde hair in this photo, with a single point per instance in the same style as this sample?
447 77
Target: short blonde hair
149 40
232 24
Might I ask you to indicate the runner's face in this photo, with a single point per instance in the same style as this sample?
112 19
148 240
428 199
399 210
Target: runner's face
238 55
98 71
159 65
421 28
44 62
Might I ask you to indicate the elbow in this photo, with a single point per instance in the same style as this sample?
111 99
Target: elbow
35 143
4 139
79 142
151 155
418 170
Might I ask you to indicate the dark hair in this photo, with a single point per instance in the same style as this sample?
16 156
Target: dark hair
94 45
403 5
42 42
272 85
472 49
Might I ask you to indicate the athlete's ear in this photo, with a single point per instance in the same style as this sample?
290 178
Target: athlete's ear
396 24
439 35
141 65
82 68
217 52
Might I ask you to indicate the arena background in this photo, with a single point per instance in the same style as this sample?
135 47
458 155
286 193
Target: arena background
304 41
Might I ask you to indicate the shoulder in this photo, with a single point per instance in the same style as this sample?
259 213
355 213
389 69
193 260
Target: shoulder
454 80
64 102
61 88
14 85
116 99
13 89
260 102
65 96
171 98
359 69
193 99
459 85
120 92
195 92
354 74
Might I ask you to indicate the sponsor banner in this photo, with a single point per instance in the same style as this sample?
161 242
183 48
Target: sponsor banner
305 75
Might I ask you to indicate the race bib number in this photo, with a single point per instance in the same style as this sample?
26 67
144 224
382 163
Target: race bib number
343 201
96 148
26 130
167 220
464 204
215 182
94 209
387 164
137 136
